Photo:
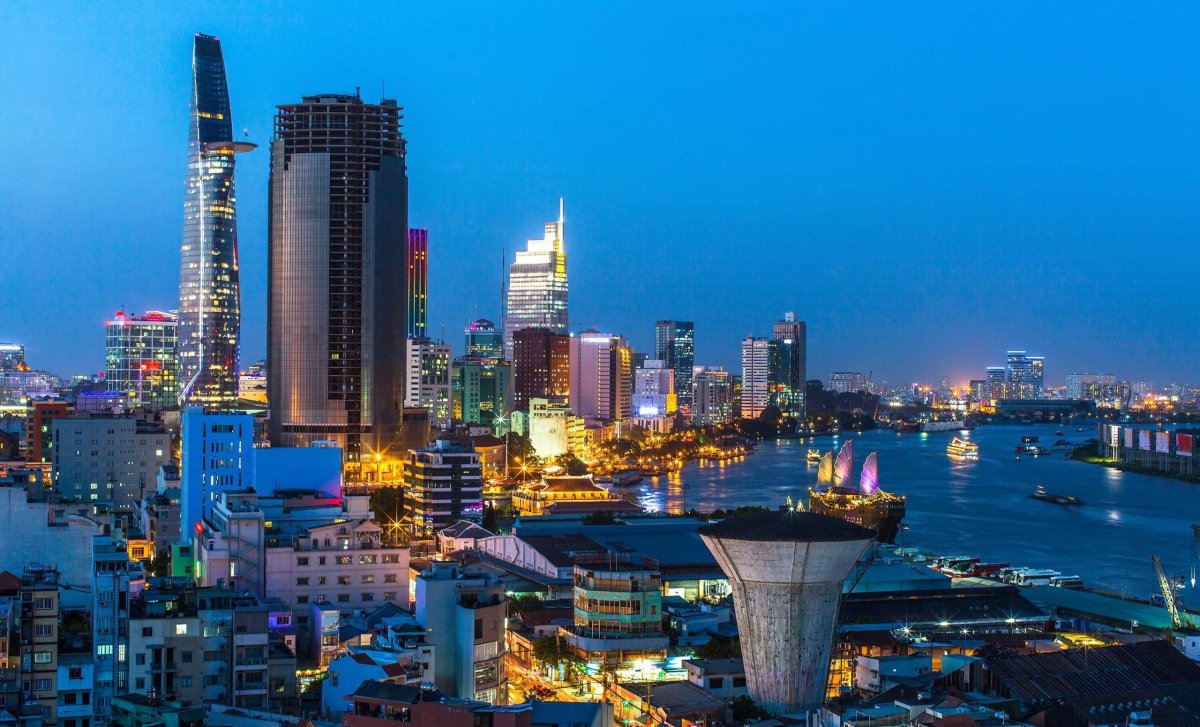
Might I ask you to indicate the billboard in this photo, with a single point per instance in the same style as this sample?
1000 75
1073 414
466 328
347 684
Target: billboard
1128 437
1162 442
1144 439
1114 436
1183 445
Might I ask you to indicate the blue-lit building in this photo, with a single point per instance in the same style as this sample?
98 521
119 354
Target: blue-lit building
1024 375
216 451
483 340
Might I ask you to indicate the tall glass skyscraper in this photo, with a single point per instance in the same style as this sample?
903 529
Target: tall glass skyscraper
790 381
337 279
675 345
537 285
209 293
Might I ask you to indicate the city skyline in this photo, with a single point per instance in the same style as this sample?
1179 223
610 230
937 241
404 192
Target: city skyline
1078 221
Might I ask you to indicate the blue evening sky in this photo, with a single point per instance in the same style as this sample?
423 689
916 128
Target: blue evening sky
925 184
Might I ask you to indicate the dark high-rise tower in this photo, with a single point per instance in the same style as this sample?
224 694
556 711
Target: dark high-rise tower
209 293
788 378
418 282
337 277
675 345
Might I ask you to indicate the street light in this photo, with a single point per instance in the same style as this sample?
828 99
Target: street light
501 420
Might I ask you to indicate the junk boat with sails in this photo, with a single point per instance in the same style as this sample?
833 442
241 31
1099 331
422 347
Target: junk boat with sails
865 505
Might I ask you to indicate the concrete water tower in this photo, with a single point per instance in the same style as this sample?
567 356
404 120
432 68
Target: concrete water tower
786 569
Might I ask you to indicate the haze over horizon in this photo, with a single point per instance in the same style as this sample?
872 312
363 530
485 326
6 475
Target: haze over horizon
926 187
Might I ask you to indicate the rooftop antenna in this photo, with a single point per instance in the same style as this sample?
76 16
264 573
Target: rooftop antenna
503 288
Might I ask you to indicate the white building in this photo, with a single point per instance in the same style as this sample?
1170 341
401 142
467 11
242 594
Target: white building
601 376
847 382
756 388
427 371
553 429
37 531
653 390
464 615
312 555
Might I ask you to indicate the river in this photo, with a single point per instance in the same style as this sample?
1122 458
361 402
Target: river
981 507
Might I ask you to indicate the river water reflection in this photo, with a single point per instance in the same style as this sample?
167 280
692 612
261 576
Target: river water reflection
981 507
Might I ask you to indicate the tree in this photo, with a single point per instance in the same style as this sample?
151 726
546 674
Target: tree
548 651
519 446
571 464
520 604
720 647
489 517
744 708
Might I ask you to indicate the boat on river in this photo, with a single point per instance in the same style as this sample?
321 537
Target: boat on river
814 456
627 478
962 448
1041 494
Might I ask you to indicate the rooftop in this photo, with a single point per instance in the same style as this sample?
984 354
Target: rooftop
1083 672
804 527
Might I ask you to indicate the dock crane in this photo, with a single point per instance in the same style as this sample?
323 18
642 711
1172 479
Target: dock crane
1168 593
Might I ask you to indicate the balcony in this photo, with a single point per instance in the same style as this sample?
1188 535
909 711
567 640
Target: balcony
628 642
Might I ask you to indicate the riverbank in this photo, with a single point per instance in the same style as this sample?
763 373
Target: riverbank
1090 454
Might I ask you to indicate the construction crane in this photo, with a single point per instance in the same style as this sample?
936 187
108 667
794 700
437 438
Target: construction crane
1168 593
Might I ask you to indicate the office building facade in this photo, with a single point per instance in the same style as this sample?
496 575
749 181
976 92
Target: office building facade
537 285
675 345
480 390
654 390
140 358
12 357
444 485
601 376
1024 375
756 375
483 340
338 298
428 384
713 402
209 289
107 458
541 366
